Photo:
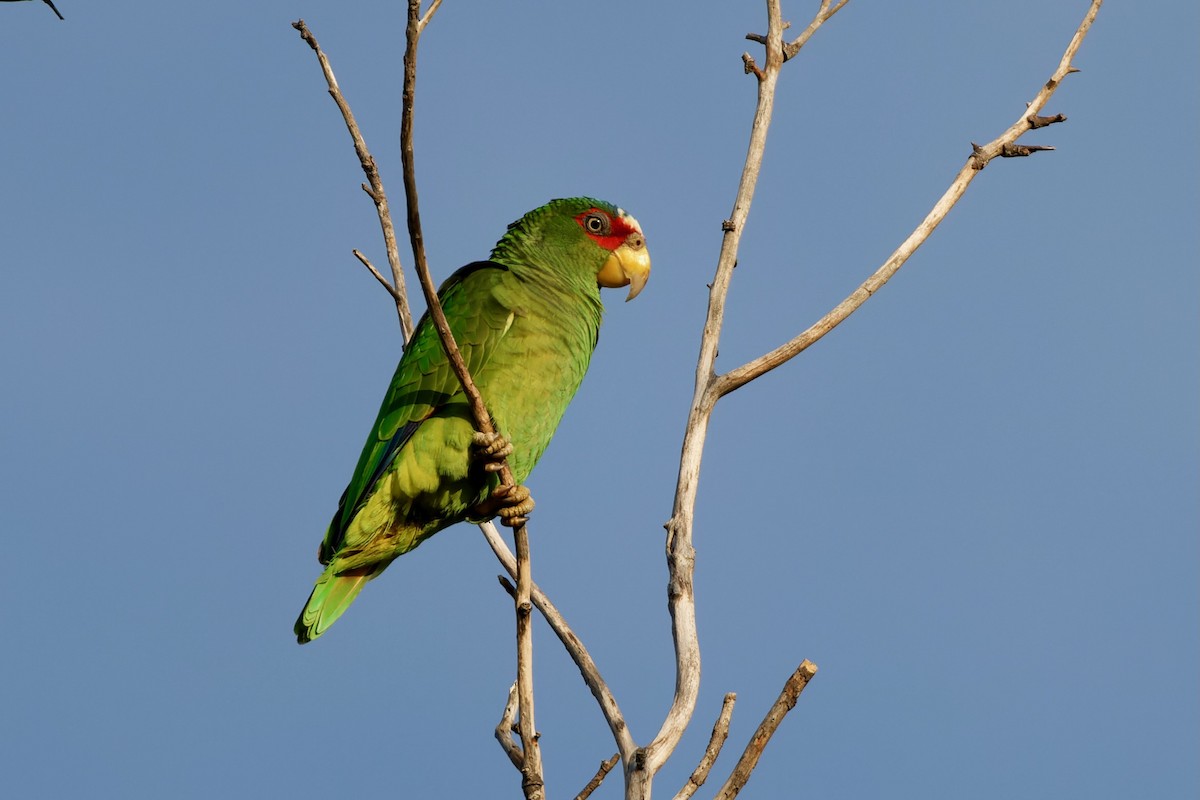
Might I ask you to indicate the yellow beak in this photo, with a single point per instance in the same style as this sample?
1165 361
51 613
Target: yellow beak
629 265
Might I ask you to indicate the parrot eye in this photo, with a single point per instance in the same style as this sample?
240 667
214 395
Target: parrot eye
597 223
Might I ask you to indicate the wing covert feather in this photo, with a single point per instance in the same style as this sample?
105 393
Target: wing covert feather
424 383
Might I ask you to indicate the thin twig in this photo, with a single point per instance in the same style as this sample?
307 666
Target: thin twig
716 741
382 280
429 12
396 289
532 780
594 784
504 729
981 155
766 729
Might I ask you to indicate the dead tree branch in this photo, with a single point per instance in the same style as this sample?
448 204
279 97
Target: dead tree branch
716 741
1001 146
681 555
505 727
710 386
375 189
594 784
571 642
366 262
766 729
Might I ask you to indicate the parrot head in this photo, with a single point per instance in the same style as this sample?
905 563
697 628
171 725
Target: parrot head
619 233
581 234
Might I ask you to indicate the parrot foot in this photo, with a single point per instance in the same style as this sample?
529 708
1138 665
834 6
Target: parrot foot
492 449
511 504
516 505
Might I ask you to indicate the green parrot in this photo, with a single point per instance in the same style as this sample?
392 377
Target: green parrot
526 321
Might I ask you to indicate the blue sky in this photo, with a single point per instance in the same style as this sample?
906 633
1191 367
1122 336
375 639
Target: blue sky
974 505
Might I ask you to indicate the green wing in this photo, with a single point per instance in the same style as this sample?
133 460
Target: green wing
424 384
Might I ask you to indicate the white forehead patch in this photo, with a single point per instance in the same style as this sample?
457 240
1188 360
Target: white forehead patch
633 223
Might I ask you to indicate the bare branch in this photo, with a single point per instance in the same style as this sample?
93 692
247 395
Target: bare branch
710 387
1003 146
429 12
532 781
766 729
681 555
598 778
376 192
716 741
379 277
571 643
504 729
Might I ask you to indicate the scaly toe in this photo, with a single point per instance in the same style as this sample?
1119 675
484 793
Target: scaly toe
492 449
517 503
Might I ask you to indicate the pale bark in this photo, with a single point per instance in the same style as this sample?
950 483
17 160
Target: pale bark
373 188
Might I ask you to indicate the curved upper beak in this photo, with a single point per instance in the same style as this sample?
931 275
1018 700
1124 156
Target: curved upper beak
629 265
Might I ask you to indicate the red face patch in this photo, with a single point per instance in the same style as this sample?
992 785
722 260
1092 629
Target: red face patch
605 229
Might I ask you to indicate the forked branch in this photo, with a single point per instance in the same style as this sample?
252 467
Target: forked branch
506 726
571 643
826 10
1002 146
373 188
710 387
680 552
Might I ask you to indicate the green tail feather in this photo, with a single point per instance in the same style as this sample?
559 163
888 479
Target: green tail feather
332 595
